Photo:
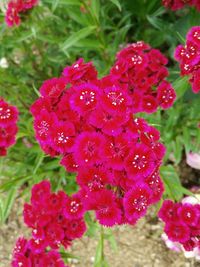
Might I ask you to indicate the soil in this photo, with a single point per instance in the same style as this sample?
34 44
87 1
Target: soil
138 246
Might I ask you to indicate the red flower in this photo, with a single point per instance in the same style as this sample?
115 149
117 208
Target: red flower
115 151
156 185
62 137
84 97
189 214
12 14
166 95
140 161
54 234
75 229
86 149
136 201
80 72
74 208
69 163
105 206
93 178
177 232
149 104
168 212
53 87
42 126
8 114
114 99
109 123
40 193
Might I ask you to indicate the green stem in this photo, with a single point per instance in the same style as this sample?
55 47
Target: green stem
102 243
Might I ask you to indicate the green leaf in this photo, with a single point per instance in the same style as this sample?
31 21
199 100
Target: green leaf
178 149
117 3
156 22
55 4
181 85
75 37
95 8
64 2
78 17
98 256
111 238
172 182
7 204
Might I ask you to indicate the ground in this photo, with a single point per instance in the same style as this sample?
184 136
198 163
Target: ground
138 246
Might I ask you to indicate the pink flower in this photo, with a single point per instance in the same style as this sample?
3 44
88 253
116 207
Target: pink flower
93 178
136 201
177 232
54 234
80 72
188 57
12 14
193 36
86 149
196 81
69 163
189 214
53 87
8 114
24 261
20 246
84 97
175 246
40 193
109 123
156 185
62 137
29 214
15 8
75 228
41 104
37 245
74 208
149 104
193 160
105 206
174 4
140 161
42 125
8 126
114 99
115 151
28 4
166 95
53 259
168 211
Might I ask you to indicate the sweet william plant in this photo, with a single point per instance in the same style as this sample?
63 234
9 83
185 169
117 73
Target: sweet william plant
97 128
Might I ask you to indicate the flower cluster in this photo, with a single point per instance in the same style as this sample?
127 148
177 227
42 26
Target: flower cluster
15 8
182 223
8 126
142 70
178 4
89 122
189 57
25 256
55 219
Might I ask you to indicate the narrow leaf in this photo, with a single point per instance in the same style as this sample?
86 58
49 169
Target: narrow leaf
117 3
75 37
